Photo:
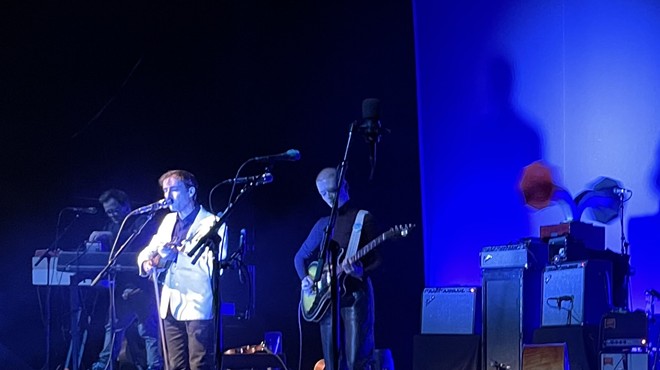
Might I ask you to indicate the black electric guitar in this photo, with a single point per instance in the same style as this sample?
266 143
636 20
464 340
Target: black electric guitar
315 303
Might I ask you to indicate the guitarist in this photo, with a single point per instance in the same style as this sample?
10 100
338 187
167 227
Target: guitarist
356 295
186 303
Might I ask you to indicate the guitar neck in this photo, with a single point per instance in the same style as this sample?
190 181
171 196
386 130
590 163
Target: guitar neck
367 248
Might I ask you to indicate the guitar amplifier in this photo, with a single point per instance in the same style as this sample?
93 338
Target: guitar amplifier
624 329
451 310
524 254
576 293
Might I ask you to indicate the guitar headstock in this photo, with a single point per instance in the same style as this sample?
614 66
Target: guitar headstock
401 230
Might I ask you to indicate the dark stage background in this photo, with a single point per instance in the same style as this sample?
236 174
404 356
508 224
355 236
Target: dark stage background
100 94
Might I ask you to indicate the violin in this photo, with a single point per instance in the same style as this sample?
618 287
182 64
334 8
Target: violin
247 349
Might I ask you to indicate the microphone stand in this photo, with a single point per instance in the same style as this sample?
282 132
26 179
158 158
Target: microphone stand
48 254
111 270
624 249
328 253
209 238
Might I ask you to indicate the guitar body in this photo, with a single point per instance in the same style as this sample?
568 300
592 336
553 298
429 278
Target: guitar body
315 303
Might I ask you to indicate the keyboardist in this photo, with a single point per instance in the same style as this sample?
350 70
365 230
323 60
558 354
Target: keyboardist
134 298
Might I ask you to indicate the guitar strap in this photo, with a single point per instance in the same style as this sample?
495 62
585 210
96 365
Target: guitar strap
355 235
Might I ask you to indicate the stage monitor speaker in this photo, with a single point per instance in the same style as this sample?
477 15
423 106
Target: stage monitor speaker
451 310
551 356
511 312
446 352
576 293
581 343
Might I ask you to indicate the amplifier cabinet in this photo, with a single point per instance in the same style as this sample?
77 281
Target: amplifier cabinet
511 313
624 361
451 310
576 293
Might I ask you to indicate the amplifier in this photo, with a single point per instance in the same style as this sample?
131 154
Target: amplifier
624 329
624 361
576 293
592 237
524 254
451 310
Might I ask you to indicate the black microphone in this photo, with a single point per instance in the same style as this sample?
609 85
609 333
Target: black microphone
567 298
653 293
265 178
88 210
371 128
289 155
153 207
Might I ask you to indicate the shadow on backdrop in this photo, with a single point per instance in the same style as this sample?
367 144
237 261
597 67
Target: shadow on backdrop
644 242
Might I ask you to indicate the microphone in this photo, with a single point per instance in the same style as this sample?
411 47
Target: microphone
88 210
153 207
289 155
371 128
619 191
242 246
242 241
265 178
653 293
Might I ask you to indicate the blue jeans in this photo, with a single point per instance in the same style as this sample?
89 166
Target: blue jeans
142 313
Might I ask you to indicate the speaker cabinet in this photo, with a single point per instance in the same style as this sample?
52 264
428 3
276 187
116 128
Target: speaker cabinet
451 310
576 293
553 356
511 312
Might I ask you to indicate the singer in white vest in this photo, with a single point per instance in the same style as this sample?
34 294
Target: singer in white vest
186 304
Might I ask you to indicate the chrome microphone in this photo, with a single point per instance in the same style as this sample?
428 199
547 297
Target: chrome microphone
265 178
153 207
86 210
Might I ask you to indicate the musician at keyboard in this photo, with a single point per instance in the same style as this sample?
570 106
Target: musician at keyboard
134 298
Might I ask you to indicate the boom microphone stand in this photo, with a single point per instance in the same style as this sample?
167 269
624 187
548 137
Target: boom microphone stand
328 255
207 240
112 272
48 253
328 252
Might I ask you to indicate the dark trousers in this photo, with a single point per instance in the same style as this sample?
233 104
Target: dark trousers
357 341
190 344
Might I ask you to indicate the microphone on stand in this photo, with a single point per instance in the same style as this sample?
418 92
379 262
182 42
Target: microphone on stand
242 247
652 293
619 191
265 178
85 210
371 128
289 155
153 207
